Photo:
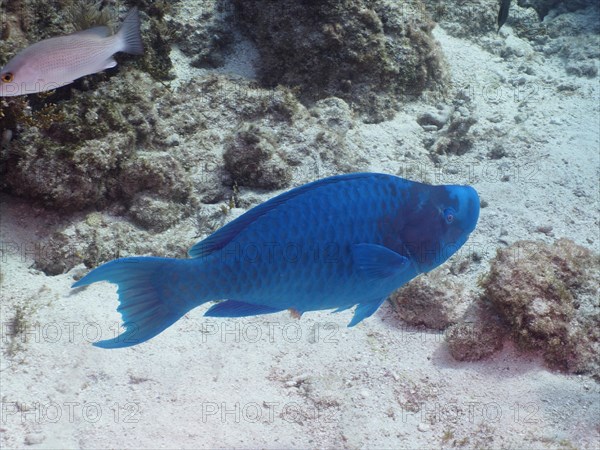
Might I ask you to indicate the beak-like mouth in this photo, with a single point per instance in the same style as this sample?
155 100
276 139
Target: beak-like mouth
469 203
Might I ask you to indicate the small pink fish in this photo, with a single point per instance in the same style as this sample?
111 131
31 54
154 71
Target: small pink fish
58 61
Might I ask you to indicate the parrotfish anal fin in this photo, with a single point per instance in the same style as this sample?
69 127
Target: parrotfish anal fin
222 237
364 310
233 308
377 261
96 31
342 308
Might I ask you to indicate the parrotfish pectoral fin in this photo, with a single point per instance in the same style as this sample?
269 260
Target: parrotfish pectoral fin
144 310
377 261
364 310
233 308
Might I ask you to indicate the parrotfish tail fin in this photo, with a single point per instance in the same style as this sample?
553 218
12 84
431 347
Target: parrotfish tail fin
129 34
144 307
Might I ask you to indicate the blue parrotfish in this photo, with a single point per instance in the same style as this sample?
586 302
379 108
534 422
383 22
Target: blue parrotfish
339 242
58 61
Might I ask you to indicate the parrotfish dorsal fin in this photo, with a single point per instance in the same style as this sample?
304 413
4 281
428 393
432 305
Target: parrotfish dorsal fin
101 31
223 236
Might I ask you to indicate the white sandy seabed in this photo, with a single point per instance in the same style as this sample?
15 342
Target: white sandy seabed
274 381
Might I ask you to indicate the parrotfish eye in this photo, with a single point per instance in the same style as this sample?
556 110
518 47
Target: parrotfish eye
8 77
449 215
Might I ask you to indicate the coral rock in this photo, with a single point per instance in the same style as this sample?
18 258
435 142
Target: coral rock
432 300
548 295
370 53
252 160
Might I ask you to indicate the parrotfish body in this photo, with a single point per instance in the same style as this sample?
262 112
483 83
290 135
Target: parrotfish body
339 242
58 61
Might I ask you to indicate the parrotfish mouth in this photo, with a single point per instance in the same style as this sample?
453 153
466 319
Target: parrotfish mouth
469 202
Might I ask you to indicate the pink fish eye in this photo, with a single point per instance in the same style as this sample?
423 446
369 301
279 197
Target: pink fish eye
449 215
8 77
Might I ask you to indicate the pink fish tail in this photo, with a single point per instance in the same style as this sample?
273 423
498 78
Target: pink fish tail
129 34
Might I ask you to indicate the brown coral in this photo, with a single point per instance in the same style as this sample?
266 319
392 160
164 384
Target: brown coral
431 300
370 53
548 295
252 160
479 335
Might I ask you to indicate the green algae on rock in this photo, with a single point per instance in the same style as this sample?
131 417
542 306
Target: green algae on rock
205 35
76 163
97 238
478 335
252 160
466 19
370 53
549 297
